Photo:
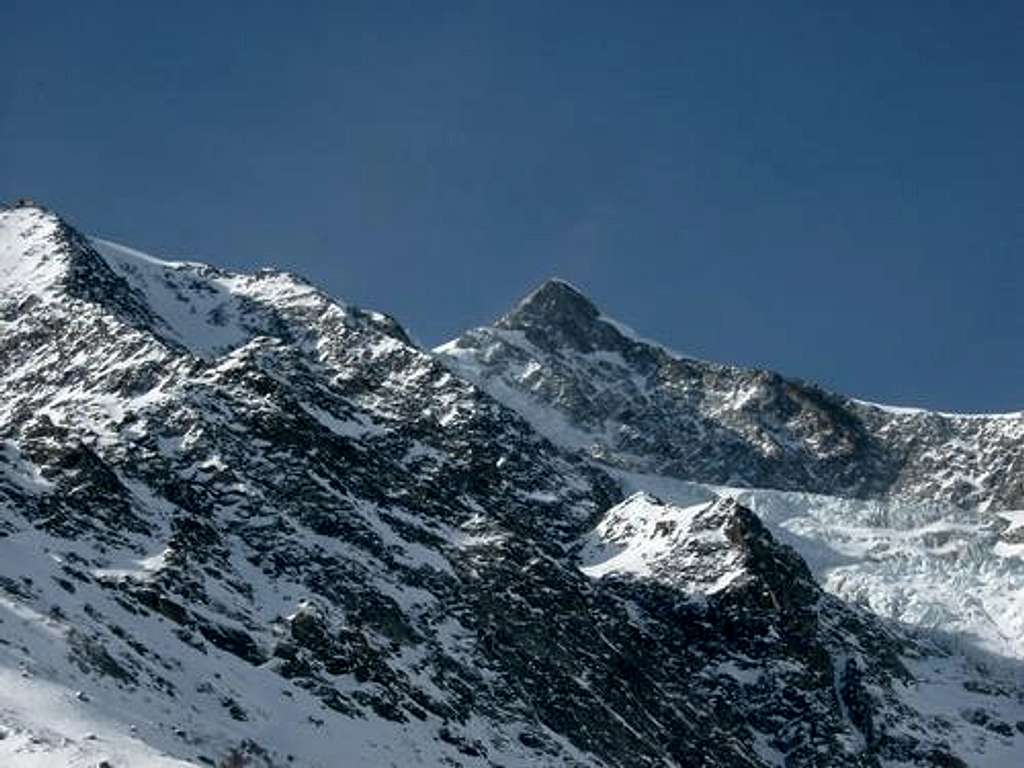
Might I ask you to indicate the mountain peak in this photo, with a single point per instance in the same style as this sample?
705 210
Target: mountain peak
42 257
34 252
554 301
560 314
190 305
243 520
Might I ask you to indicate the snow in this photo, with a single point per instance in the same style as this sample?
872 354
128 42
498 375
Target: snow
1011 549
952 571
144 568
47 726
199 313
923 565
29 265
900 410
54 713
931 567
23 473
766 752
550 423
356 427
939 691
645 538
926 565
749 675
212 311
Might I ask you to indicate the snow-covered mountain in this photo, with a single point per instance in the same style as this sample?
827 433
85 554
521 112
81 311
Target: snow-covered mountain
908 512
589 382
244 523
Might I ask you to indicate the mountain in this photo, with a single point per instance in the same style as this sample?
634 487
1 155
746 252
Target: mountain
242 523
589 382
910 513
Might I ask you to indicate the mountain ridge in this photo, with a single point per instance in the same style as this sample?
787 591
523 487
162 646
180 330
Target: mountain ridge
554 285
261 524
629 397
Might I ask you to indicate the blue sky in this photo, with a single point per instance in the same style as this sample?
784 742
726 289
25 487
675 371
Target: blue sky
832 192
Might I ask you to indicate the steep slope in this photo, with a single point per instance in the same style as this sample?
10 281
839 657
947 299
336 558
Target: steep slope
240 518
908 513
319 467
588 382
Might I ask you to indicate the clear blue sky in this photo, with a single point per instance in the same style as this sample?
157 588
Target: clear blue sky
832 192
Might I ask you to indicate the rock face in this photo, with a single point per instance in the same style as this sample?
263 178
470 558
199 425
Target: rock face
589 382
244 524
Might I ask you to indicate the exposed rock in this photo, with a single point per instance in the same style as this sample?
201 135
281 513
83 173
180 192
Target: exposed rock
286 523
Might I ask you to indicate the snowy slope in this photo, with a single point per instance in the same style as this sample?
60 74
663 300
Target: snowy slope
238 517
709 551
686 548
28 265
182 506
923 565
72 695
212 311
926 565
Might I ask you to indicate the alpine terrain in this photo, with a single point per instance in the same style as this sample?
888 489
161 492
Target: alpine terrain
243 523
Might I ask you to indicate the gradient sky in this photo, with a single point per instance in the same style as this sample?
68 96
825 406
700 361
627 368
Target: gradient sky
834 193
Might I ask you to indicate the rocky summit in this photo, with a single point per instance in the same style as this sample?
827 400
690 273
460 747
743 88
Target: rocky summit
588 381
243 523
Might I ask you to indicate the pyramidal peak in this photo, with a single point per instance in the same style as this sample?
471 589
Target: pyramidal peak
559 314
44 259
555 300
